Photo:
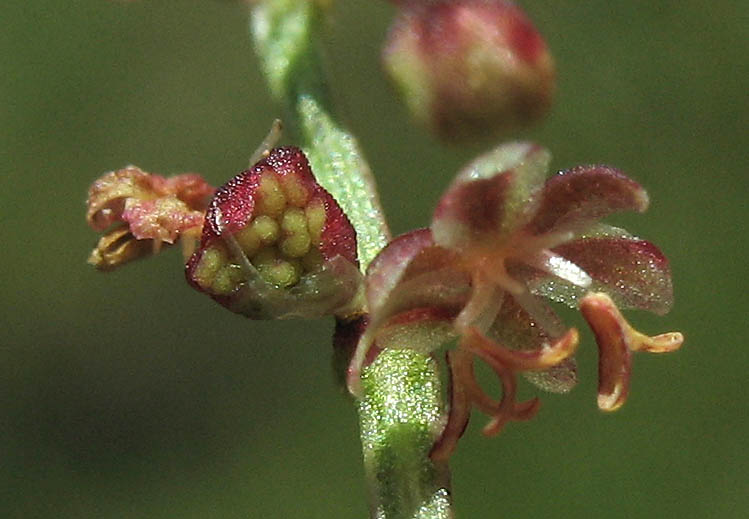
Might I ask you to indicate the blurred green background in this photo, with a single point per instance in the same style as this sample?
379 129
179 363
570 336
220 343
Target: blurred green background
130 395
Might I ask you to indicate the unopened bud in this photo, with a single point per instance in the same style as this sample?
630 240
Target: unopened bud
275 244
469 69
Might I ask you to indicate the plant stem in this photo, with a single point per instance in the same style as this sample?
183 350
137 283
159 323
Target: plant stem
401 417
401 410
288 40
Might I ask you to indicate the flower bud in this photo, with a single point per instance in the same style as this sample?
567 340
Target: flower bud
275 244
469 69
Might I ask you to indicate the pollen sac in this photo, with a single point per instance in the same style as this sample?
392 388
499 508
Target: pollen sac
469 69
275 244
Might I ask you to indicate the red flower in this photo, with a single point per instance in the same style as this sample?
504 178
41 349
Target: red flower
275 244
501 241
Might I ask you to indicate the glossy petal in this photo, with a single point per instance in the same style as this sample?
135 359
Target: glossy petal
275 244
492 197
633 271
412 271
578 197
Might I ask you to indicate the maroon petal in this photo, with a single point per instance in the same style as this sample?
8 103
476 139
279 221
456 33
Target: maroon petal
280 182
491 198
275 244
412 271
634 272
575 198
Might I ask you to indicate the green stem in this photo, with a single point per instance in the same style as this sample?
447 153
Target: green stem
401 417
401 410
288 40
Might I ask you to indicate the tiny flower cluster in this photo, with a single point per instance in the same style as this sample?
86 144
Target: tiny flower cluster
275 244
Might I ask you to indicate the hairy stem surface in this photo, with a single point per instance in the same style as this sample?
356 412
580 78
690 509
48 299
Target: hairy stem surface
401 417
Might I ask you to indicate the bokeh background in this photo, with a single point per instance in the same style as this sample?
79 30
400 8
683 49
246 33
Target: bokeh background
128 395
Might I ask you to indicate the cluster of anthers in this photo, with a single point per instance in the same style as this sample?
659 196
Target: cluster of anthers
274 244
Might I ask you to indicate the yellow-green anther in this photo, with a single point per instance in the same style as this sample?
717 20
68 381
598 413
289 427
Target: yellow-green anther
294 226
276 270
315 213
210 262
296 193
294 221
265 257
286 273
249 239
296 245
266 228
226 279
271 201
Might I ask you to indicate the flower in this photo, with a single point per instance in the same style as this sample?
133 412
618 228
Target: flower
469 69
142 211
502 239
275 244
